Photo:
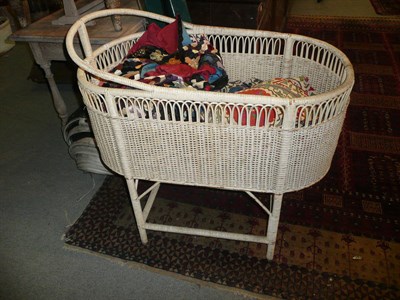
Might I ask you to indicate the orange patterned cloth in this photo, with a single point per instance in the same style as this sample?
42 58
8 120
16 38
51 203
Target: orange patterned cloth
289 88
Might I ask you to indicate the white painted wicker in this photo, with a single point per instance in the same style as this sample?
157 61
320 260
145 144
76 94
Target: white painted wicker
286 154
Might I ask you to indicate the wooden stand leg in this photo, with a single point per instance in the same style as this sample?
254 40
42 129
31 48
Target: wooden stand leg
137 209
273 224
116 19
58 101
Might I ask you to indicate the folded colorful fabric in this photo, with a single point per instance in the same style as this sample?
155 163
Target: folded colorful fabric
168 57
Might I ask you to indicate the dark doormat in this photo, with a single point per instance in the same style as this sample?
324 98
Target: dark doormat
310 262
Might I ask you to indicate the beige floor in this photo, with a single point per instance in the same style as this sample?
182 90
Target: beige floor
350 8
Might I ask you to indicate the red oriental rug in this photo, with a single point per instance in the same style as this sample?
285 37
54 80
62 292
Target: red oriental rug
386 7
339 239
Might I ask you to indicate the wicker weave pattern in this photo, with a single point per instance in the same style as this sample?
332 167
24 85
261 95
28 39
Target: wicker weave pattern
196 138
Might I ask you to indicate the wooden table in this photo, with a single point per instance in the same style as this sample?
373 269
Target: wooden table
47 44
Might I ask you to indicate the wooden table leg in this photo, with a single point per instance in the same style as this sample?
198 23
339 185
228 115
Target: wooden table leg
116 20
58 101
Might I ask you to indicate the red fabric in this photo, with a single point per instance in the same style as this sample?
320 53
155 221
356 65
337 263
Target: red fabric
206 71
165 38
183 70
253 112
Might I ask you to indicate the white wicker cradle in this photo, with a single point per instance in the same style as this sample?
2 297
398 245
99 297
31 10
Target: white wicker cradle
284 155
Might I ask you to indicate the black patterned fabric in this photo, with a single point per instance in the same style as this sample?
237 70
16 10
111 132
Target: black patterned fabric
168 57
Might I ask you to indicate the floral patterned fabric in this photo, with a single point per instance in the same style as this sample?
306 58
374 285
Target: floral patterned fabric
278 87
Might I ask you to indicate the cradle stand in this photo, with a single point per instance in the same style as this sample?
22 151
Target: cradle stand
141 215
